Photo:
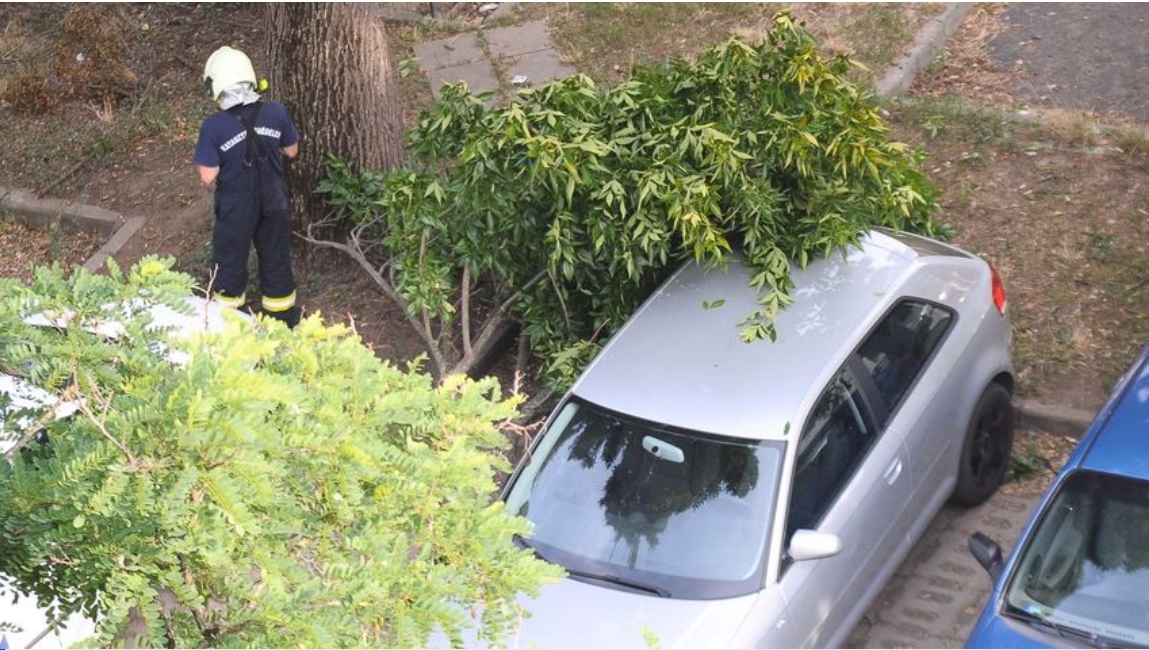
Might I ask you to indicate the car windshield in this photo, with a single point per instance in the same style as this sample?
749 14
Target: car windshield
1086 572
633 504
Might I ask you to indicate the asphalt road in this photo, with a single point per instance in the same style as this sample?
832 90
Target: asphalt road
1079 56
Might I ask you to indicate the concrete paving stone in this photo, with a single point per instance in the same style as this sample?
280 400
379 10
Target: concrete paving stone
936 612
936 595
519 39
404 12
449 52
904 636
911 640
960 567
539 68
479 75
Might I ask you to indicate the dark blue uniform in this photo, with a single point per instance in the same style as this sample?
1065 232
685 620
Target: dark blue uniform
251 203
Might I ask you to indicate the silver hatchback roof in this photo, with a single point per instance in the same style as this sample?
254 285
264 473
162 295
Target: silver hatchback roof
680 361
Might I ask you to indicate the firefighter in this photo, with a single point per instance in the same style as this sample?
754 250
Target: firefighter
241 149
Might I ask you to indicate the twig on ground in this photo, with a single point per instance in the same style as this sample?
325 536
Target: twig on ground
67 174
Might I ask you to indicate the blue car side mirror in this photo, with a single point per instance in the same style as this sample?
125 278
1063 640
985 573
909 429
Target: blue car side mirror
987 553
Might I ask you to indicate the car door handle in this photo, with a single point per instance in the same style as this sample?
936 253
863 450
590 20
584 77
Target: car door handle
893 471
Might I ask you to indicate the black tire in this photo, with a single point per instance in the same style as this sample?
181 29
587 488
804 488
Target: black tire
987 447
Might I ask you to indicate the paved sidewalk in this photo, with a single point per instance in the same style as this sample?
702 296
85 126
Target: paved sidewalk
936 595
498 60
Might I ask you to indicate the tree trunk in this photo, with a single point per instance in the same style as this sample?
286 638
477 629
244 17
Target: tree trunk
330 66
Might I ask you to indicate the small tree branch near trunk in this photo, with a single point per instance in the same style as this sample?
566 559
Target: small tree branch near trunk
354 250
494 323
438 346
465 291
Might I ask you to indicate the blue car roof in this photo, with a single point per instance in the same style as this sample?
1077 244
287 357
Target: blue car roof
1121 445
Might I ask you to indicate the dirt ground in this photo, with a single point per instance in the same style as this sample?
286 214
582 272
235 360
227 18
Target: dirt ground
22 248
1059 210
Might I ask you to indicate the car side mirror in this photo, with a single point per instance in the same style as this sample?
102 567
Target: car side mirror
812 545
987 553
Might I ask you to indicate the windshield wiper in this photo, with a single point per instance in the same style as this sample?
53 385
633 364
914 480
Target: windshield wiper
523 542
1064 631
620 581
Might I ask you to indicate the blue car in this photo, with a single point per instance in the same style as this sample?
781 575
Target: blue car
1079 575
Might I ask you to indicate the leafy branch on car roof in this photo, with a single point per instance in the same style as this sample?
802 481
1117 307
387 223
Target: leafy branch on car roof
570 204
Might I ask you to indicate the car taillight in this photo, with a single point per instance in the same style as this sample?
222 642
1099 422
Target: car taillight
998 290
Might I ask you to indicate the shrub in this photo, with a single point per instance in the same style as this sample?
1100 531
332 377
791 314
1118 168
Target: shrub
275 489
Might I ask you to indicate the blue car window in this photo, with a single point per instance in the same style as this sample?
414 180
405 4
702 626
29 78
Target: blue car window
1087 564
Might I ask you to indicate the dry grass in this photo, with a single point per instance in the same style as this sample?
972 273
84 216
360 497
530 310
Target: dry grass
964 67
1133 140
606 40
1075 128
1037 458
1060 209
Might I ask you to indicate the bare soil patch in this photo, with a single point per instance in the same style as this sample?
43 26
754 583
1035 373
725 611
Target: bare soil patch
964 66
23 247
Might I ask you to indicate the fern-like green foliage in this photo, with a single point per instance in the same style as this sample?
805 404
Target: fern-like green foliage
278 489
765 148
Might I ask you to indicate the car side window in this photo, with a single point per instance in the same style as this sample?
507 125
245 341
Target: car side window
897 350
837 436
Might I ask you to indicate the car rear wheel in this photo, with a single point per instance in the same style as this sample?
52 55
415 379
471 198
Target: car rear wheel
985 452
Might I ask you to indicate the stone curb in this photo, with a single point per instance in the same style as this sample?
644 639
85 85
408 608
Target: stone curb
1058 420
99 259
42 213
929 39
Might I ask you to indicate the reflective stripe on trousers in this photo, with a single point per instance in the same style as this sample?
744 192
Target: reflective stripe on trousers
279 304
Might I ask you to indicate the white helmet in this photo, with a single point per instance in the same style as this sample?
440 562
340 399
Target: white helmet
225 68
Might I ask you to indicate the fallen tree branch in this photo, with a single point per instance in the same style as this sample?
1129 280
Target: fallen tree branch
388 289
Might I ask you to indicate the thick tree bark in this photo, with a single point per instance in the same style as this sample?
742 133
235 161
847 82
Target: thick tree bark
330 66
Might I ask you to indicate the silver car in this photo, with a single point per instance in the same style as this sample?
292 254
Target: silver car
705 492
